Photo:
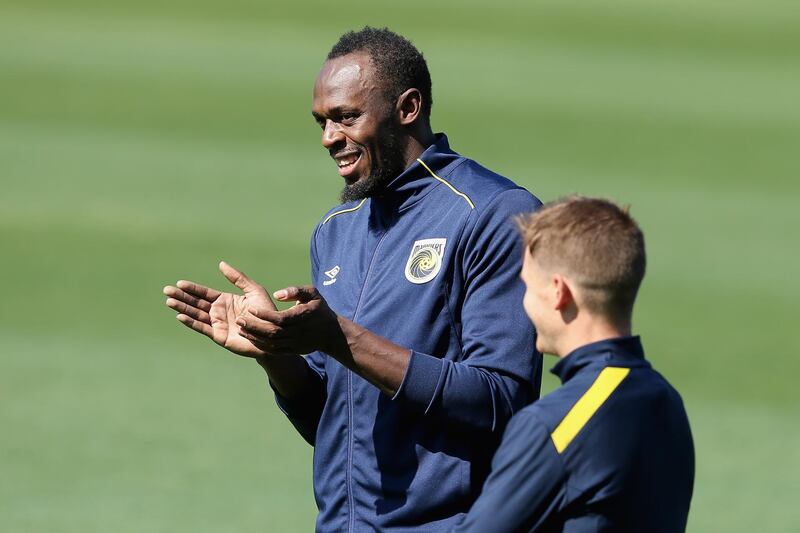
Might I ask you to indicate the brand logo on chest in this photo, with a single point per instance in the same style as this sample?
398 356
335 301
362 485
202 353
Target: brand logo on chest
425 260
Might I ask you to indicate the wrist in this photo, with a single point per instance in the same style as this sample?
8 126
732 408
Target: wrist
263 361
271 362
337 342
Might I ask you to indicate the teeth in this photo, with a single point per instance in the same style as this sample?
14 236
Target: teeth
347 160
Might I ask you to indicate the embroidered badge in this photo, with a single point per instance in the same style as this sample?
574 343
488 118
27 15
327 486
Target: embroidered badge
425 260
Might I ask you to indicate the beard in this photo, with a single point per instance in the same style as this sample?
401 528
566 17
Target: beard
388 167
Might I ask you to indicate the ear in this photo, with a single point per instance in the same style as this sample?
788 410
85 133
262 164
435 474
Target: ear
563 293
409 107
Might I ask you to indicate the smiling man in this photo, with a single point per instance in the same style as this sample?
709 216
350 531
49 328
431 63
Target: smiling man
358 122
417 351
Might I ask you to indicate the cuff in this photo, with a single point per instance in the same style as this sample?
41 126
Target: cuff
423 380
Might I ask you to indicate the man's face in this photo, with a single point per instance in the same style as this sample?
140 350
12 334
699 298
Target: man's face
358 125
539 302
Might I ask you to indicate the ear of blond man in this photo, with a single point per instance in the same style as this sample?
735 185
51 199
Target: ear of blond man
555 303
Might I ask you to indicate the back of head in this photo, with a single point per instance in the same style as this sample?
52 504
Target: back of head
398 63
596 244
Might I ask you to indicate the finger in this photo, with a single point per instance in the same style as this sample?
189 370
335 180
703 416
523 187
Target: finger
194 312
196 325
176 293
201 291
285 318
303 294
270 346
257 327
276 317
239 279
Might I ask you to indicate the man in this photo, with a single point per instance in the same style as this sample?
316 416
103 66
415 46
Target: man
418 351
610 450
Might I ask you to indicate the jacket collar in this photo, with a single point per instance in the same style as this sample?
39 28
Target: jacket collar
416 181
619 351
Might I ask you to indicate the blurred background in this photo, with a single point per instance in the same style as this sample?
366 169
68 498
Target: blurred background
141 142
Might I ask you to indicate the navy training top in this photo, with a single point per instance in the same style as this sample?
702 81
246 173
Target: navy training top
431 264
609 450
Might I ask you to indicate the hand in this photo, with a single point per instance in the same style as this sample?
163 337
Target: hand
308 326
312 325
214 313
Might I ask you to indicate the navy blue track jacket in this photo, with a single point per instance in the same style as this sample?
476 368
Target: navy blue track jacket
610 450
432 264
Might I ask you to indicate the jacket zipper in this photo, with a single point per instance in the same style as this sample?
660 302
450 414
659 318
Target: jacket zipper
350 408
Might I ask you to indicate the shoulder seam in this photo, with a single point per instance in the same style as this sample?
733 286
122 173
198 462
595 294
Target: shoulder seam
449 185
343 211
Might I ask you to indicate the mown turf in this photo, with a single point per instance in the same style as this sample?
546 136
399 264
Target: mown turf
143 141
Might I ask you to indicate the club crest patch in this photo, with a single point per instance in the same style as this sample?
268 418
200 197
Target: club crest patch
425 260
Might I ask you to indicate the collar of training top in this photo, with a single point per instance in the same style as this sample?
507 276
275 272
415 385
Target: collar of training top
619 351
419 179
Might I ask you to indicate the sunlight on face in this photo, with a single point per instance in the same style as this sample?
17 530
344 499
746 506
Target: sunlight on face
357 125
538 301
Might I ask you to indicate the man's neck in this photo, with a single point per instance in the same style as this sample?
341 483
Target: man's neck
416 143
589 330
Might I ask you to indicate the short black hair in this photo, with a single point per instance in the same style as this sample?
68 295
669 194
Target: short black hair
398 63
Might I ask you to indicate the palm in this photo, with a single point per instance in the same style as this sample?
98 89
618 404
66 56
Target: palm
214 313
224 312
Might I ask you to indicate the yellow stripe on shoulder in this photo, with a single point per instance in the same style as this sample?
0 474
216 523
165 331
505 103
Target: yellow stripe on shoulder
343 211
588 404
461 194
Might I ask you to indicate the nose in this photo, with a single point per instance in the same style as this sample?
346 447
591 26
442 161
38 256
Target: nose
331 134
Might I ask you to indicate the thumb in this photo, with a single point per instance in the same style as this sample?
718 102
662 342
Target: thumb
302 294
247 285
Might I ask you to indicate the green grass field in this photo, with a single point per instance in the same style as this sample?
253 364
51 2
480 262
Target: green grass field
142 142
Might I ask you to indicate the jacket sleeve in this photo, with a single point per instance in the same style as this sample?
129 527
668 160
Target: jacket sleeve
305 411
499 370
525 488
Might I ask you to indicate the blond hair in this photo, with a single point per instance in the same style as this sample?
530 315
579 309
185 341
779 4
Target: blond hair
595 243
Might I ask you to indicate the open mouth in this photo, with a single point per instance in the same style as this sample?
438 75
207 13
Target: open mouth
347 162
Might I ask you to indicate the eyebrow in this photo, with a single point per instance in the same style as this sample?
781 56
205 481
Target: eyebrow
338 110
